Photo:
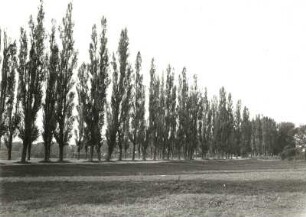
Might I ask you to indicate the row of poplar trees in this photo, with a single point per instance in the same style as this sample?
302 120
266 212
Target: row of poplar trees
177 121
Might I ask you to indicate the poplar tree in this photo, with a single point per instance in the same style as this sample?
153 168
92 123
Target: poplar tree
81 134
120 99
193 109
230 128
206 126
161 122
9 116
31 76
49 122
170 112
137 136
98 69
182 113
246 132
237 128
221 126
65 95
153 108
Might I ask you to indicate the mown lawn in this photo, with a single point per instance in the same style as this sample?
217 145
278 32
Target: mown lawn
213 188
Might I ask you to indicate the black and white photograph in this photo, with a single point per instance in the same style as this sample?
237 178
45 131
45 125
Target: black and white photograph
153 108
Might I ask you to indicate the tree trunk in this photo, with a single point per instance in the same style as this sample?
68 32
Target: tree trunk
79 153
120 151
29 151
133 153
61 153
139 151
99 153
86 151
111 144
46 152
9 156
144 154
24 151
91 153
154 153
109 152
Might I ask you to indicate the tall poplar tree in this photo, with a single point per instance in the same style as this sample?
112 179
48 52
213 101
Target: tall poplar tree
137 136
31 76
121 96
98 69
153 108
246 133
9 116
65 95
237 128
49 122
81 134
182 113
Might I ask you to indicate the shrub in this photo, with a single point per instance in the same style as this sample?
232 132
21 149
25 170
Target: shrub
288 153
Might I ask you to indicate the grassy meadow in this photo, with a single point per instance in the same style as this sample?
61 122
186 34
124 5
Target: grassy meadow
174 188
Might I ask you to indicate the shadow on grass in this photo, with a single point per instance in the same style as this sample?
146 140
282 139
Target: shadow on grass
130 168
50 194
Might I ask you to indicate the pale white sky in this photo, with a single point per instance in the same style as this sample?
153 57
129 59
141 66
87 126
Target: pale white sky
256 49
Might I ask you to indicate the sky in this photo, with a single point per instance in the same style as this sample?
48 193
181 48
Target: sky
255 49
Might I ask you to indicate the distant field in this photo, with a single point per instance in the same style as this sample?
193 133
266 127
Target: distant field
175 188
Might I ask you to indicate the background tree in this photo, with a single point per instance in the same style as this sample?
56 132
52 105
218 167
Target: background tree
246 132
182 113
230 128
300 137
31 76
237 129
170 112
160 119
206 126
193 109
153 108
49 121
286 133
9 116
64 106
221 125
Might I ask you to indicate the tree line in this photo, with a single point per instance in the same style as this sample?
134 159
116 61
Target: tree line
173 119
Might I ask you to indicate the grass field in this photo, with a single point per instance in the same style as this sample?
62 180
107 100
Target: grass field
175 188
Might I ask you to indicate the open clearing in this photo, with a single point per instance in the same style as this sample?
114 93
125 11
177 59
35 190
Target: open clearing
174 188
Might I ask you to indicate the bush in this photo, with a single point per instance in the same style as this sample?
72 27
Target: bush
288 153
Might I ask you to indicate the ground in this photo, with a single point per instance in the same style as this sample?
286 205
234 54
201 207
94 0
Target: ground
174 188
